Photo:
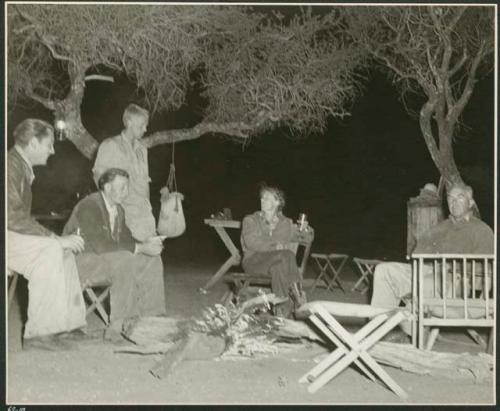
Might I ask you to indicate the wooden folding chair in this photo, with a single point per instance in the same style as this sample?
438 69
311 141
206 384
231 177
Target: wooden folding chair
366 269
351 348
96 293
13 277
330 266
462 294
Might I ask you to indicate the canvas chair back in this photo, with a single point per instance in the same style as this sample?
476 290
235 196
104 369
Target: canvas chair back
453 290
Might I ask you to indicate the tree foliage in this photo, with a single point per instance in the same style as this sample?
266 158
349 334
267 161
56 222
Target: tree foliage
256 70
438 52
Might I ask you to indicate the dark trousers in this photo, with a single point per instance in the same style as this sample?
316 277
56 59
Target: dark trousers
280 265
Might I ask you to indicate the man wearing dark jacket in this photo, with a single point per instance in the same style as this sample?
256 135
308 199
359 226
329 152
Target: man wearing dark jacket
134 269
55 304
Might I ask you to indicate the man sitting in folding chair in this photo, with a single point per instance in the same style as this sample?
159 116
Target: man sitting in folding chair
462 233
134 270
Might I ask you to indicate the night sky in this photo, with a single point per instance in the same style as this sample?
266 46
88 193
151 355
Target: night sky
353 181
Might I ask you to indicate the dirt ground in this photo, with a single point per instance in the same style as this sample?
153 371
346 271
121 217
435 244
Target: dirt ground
94 374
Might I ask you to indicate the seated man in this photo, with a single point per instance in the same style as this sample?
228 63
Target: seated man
134 269
55 302
461 233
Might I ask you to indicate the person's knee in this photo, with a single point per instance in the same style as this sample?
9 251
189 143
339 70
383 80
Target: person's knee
53 250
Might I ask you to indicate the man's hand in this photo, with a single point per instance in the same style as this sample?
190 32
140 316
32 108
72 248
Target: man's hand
153 246
71 242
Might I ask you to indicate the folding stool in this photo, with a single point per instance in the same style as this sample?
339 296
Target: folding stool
351 348
330 266
97 299
366 269
12 286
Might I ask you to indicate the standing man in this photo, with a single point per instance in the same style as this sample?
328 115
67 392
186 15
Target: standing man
127 152
46 260
134 269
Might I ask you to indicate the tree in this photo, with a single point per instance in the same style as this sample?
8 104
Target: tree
436 52
257 70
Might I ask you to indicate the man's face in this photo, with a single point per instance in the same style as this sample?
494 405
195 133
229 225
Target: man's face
117 190
41 150
459 202
137 125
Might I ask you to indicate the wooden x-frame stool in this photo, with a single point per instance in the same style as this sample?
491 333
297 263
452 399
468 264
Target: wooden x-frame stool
366 269
330 266
351 348
97 299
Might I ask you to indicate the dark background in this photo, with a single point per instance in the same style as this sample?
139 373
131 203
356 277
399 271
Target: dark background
353 181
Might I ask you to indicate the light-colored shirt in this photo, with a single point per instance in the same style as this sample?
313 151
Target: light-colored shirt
119 152
112 211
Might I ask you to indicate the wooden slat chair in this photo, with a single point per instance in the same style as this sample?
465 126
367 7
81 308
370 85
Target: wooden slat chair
366 269
350 348
463 294
242 280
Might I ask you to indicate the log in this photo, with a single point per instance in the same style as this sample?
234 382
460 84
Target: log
148 331
173 357
456 366
196 346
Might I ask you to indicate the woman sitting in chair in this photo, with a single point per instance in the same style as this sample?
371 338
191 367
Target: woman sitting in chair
266 239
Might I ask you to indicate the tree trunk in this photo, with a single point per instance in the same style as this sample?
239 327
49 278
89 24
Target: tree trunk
68 110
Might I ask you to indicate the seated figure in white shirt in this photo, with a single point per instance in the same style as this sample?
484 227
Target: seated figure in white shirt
134 269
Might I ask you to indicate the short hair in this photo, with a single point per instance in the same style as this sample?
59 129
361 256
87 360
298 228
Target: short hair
464 187
29 128
133 110
109 175
276 191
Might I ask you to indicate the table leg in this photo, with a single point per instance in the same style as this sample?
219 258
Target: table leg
234 259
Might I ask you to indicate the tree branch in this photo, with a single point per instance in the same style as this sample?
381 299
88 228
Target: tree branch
239 129
47 103
469 86
99 77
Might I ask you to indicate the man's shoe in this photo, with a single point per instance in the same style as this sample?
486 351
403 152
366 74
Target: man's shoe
46 343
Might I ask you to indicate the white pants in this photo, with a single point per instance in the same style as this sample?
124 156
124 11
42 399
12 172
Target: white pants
55 297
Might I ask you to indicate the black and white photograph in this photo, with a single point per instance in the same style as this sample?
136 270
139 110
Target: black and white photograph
250 203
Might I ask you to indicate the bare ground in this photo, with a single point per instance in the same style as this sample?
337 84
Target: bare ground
94 374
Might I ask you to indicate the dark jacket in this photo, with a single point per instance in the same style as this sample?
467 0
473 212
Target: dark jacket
19 197
92 217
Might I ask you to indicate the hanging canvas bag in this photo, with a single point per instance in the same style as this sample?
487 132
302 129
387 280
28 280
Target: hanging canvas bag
171 222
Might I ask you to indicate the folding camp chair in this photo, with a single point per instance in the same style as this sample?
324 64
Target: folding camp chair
460 291
13 277
244 280
366 269
96 293
351 348
330 266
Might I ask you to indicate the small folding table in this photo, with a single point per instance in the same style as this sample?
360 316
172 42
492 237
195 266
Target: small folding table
330 266
366 269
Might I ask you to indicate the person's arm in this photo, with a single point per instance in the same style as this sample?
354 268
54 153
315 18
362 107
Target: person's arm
18 217
484 240
253 238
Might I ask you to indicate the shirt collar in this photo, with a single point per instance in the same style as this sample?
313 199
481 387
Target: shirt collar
135 143
112 209
28 163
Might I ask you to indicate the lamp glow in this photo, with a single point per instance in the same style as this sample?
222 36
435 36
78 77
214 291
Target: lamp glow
60 125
